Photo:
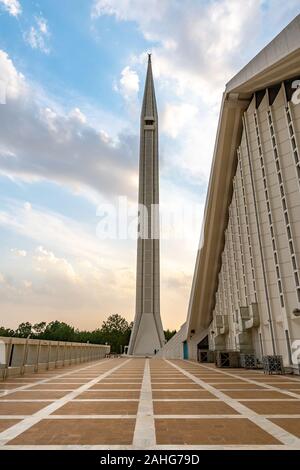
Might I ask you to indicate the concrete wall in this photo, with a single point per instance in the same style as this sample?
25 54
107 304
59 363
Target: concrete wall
173 349
258 284
19 356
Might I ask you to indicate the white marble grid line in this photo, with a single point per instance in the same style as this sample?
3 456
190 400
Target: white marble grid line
186 399
264 385
268 416
13 416
28 400
178 382
94 416
77 400
45 390
243 389
39 382
115 390
218 399
157 447
144 432
276 431
175 389
122 383
30 421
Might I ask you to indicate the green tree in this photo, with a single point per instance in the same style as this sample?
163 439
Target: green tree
39 328
7 332
59 331
116 332
24 330
169 334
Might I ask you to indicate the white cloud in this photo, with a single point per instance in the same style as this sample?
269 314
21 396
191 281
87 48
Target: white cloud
70 274
197 47
129 83
78 115
13 7
46 142
19 253
198 53
51 264
13 81
38 35
175 117
27 206
130 9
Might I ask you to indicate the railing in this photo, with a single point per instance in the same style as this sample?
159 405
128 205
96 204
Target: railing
19 356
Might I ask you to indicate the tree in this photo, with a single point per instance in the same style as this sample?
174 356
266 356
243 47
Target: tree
24 330
39 328
7 332
59 331
116 332
169 334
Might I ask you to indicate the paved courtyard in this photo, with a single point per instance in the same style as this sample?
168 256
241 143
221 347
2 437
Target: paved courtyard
141 403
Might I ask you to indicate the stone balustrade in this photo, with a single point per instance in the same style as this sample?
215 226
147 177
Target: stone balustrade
19 356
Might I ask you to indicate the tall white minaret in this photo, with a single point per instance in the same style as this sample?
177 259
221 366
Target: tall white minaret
147 335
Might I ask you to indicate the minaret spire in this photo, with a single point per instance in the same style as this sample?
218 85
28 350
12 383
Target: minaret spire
149 108
147 335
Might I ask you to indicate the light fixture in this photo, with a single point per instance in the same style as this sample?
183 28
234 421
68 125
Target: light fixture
296 312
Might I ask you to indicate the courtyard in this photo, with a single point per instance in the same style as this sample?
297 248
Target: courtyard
137 403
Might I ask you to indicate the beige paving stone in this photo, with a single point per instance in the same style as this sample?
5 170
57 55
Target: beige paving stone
98 408
274 407
287 386
102 386
7 423
8 386
52 386
98 394
175 385
291 425
192 407
257 394
226 385
21 408
185 394
210 432
35 395
78 431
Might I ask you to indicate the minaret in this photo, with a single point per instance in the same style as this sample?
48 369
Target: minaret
147 335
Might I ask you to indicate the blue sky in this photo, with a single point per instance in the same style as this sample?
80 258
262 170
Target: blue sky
73 74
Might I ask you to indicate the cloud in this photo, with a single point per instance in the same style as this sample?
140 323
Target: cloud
13 7
19 253
12 79
129 83
39 140
193 58
77 115
38 35
68 274
47 261
72 275
130 9
198 53
175 117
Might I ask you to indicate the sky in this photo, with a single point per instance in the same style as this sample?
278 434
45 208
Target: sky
71 83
